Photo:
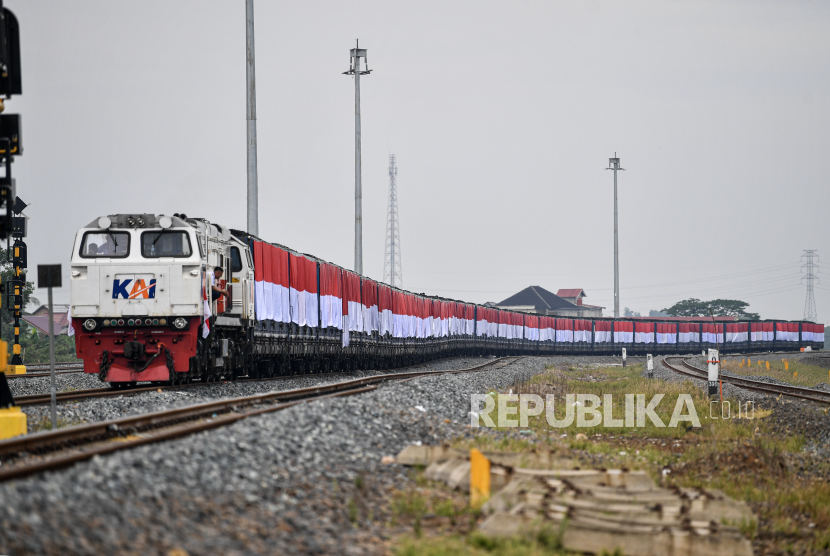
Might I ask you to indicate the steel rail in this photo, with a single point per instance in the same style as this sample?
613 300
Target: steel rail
77 395
26 455
45 366
785 389
36 375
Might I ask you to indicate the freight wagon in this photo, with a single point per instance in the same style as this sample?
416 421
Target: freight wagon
142 309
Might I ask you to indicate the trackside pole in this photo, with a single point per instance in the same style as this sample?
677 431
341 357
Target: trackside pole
650 366
49 276
713 363
253 187
354 61
623 357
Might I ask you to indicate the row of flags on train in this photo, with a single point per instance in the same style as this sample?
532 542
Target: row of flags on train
286 290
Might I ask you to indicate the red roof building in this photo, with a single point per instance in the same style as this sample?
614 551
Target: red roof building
575 295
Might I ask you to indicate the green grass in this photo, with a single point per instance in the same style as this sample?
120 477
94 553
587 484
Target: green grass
45 423
745 458
546 542
617 382
706 452
798 373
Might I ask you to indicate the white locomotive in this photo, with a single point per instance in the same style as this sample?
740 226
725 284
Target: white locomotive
141 291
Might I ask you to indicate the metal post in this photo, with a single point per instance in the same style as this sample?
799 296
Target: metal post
49 276
614 164
356 54
52 362
250 116
358 185
616 254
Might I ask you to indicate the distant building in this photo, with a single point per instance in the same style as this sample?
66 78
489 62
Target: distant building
538 300
687 319
40 319
575 296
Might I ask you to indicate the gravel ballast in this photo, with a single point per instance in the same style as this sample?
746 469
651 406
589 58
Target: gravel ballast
308 479
276 483
102 409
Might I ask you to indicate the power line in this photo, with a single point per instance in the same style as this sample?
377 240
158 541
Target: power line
662 295
541 274
776 289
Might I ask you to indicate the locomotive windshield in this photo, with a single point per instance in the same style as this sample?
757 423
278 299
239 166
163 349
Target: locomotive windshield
165 244
105 244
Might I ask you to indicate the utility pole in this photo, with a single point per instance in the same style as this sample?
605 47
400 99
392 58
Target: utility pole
354 69
809 268
614 164
250 116
392 273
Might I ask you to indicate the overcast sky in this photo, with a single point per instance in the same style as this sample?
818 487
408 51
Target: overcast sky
502 115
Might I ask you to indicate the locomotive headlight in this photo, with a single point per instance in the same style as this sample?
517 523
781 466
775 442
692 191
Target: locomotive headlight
179 323
90 324
130 221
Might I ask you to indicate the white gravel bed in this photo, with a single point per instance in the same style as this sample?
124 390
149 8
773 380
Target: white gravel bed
279 483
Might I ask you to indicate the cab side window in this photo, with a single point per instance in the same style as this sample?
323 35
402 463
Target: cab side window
236 260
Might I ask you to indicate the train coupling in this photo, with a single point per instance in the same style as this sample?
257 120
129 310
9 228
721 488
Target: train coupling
134 351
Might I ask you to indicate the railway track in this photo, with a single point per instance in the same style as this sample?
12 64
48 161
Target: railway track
76 395
748 384
58 365
49 450
42 370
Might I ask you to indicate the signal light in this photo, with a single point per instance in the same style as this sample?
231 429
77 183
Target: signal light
10 82
162 321
120 322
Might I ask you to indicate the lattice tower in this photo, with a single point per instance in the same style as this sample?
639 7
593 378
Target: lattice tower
392 273
809 268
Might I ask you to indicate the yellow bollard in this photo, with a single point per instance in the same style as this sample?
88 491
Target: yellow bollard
786 365
12 422
749 362
479 478
795 374
767 365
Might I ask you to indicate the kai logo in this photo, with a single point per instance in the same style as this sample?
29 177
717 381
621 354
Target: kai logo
140 289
